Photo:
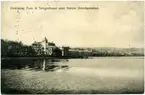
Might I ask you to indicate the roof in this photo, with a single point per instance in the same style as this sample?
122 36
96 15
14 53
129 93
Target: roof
36 43
51 43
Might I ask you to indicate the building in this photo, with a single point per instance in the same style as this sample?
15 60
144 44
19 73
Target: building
37 46
46 48
78 52
65 51
50 49
57 52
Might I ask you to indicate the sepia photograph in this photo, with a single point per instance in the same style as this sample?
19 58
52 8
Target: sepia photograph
72 47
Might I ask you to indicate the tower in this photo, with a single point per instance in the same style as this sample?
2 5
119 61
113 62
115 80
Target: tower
45 45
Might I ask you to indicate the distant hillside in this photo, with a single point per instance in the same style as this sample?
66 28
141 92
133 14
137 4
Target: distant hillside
107 51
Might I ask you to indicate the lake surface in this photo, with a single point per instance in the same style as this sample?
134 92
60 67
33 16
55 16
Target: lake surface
93 75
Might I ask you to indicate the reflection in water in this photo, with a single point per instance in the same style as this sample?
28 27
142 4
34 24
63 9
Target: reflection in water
43 68
35 64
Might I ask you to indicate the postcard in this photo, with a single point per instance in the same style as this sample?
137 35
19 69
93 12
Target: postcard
72 47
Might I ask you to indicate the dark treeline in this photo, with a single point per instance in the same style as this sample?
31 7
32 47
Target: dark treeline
15 49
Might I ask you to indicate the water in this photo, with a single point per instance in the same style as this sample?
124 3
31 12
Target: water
95 75
34 64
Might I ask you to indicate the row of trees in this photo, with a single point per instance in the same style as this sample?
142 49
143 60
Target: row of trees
14 49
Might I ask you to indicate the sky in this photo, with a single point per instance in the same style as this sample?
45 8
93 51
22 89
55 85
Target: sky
114 24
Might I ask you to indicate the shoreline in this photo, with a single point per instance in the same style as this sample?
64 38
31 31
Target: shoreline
90 57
